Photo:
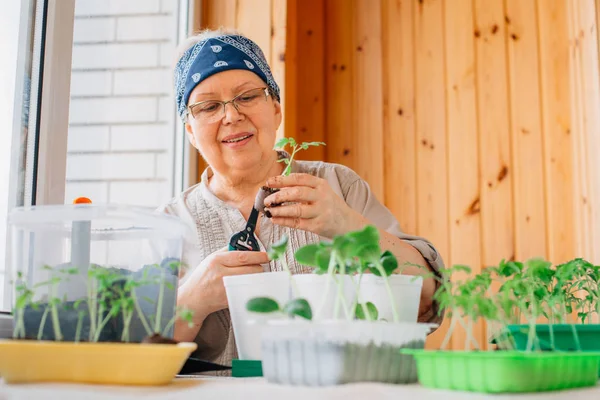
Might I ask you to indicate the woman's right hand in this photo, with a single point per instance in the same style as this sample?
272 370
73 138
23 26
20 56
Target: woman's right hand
203 291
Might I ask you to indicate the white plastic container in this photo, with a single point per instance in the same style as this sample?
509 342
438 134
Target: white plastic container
64 242
321 293
247 326
327 353
406 290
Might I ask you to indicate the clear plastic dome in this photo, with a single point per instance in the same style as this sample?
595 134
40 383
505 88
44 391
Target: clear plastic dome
92 270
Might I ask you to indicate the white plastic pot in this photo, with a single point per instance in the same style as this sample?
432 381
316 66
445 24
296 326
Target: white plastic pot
247 326
321 293
297 352
406 290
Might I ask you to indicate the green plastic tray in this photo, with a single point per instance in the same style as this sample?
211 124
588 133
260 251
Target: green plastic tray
246 368
564 339
505 371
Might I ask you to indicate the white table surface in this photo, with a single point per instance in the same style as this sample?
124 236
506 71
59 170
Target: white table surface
201 388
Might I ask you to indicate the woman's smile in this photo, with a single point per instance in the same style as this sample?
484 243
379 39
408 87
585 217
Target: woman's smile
238 140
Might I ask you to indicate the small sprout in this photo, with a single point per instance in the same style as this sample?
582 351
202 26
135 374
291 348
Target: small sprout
296 147
262 305
299 308
366 311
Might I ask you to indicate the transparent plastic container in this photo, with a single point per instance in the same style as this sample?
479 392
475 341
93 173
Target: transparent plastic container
298 352
247 326
93 270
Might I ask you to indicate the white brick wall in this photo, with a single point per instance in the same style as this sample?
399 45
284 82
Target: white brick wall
116 7
94 29
145 28
150 81
122 123
114 55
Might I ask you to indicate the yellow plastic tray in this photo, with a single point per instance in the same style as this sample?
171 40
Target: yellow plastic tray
24 361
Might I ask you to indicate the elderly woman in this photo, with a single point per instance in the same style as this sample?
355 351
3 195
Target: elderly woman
230 104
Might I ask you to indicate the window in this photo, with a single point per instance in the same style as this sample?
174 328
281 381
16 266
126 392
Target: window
86 100
122 116
20 39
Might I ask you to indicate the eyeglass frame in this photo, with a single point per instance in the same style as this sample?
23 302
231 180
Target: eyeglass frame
224 103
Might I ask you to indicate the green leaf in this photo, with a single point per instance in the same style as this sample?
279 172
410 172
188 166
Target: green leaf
323 259
278 249
360 313
307 255
344 246
389 262
314 143
369 253
304 146
148 299
298 307
281 143
262 305
368 235
292 142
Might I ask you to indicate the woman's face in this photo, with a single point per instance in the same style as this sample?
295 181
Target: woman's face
219 141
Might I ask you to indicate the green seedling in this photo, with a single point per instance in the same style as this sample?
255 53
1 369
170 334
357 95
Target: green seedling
293 308
183 313
296 147
277 253
24 298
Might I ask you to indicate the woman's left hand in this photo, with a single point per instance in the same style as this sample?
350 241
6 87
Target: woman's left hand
315 206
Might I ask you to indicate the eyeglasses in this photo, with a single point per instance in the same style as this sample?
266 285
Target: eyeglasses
211 111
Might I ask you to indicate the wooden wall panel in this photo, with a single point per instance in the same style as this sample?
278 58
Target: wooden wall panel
253 17
556 128
431 149
306 84
339 83
399 112
586 38
368 94
278 27
526 132
496 169
218 14
463 154
582 209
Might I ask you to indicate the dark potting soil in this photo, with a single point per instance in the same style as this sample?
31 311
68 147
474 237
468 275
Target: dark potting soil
158 339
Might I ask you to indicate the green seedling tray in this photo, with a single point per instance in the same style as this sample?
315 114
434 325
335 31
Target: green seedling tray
564 338
246 368
505 371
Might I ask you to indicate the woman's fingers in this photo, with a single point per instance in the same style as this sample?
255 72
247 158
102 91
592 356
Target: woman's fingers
302 194
253 269
296 210
234 259
298 179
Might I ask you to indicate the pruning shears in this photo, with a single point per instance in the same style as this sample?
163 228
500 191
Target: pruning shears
245 240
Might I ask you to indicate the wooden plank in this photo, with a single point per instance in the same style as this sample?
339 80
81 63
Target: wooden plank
525 126
556 127
368 94
399 112
308 76
463 154
219 14
591 103
339 83
581 196
496 170
278 43
253 19
291 69
430 117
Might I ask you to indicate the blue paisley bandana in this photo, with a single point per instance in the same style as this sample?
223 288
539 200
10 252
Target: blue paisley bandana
214 55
